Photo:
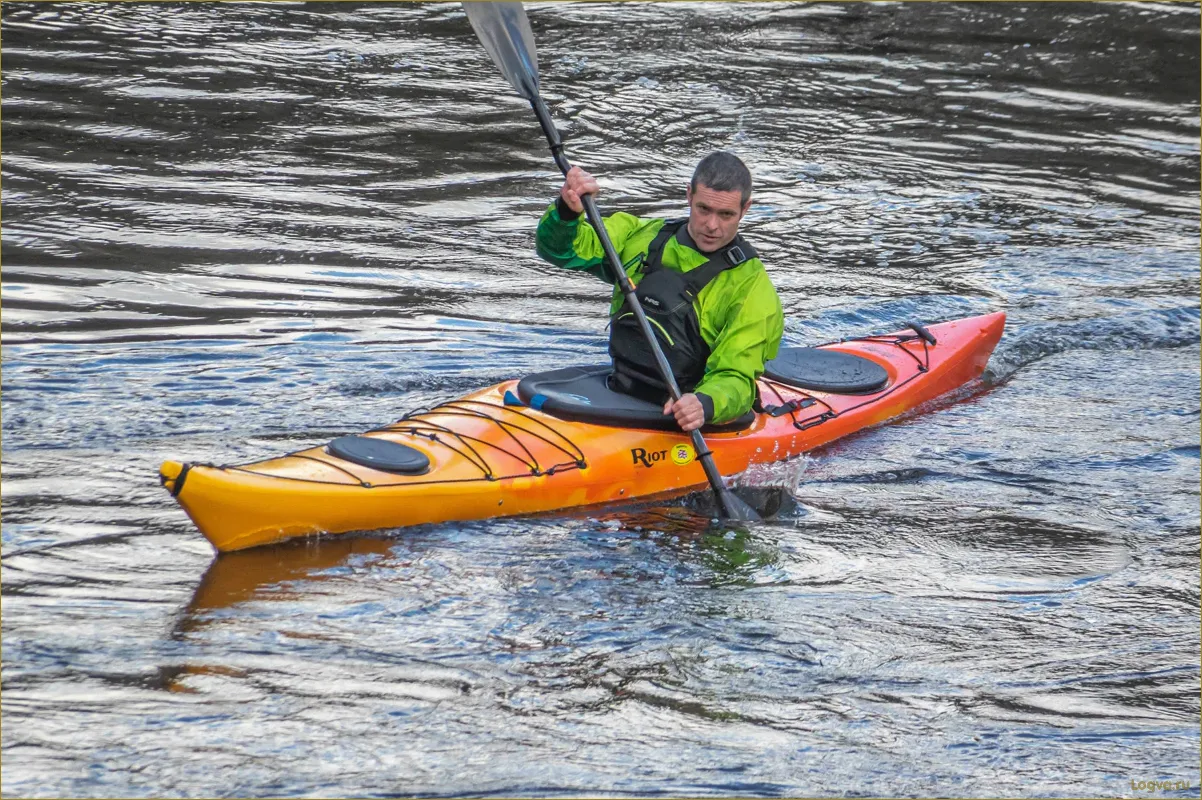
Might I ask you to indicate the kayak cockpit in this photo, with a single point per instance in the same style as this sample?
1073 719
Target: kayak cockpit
582 394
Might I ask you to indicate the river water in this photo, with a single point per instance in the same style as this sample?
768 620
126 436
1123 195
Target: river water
231 230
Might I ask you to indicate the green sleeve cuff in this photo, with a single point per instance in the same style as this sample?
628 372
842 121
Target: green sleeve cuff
707 403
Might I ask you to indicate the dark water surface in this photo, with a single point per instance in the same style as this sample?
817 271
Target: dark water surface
231 230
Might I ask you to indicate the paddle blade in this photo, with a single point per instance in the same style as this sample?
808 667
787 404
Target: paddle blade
735 509
505 33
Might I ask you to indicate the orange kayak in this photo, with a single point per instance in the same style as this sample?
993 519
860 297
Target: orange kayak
559 440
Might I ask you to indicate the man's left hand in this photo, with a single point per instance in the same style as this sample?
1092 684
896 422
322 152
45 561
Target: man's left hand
690 414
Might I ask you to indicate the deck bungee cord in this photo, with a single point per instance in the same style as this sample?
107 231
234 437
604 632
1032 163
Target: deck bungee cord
416 424
793 406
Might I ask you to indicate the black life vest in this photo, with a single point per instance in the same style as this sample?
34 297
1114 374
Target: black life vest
667 297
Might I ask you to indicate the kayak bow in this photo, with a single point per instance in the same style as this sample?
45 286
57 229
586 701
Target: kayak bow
491 454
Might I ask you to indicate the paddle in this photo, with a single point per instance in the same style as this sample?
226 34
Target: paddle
505 33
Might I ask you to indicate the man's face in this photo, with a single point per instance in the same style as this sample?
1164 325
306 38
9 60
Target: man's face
714 216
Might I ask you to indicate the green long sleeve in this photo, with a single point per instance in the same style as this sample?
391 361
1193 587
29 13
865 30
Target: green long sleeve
573 244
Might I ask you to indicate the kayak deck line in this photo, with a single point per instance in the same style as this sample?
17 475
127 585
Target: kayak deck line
489 457
924 366
573 451
414 424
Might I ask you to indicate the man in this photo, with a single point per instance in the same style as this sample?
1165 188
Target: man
711 304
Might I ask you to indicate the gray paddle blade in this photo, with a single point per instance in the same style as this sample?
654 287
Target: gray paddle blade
505 33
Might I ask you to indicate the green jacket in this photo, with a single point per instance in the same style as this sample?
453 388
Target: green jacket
739 310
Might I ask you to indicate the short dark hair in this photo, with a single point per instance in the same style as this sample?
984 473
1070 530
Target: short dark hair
723 172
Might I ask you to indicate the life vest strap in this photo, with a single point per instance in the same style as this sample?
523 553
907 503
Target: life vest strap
732 255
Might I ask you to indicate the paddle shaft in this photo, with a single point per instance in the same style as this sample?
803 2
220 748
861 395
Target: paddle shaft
628 290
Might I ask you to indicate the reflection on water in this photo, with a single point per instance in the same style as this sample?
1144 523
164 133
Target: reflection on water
234 230
238 577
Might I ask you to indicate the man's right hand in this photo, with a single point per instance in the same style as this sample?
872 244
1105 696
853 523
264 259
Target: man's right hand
576 184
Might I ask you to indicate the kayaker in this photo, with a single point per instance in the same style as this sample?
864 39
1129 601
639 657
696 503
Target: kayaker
713 308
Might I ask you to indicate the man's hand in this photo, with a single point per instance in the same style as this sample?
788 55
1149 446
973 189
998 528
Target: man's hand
576 184
690 414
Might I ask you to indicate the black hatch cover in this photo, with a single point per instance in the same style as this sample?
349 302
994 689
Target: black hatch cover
826 371
380 454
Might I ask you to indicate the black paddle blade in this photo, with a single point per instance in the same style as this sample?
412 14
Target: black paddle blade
732 508
767 502
505 33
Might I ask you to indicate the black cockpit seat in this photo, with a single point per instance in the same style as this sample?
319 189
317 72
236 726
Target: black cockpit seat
582 394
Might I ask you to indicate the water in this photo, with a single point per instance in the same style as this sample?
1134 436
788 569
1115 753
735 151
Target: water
231 230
